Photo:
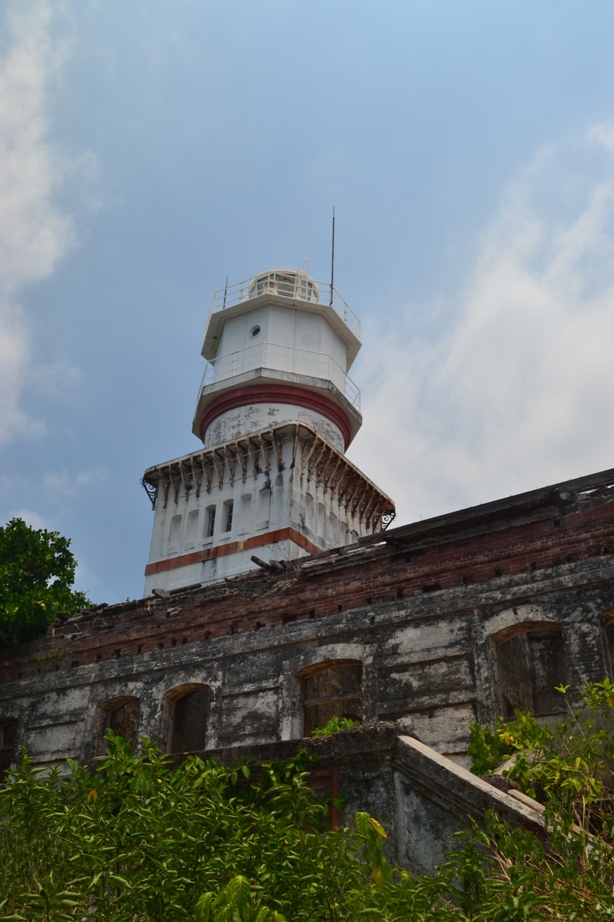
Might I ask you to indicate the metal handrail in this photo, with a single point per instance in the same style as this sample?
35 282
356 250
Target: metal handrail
286 283
282 358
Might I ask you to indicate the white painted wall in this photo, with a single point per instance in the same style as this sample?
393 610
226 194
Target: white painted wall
282 338
261 504
258 417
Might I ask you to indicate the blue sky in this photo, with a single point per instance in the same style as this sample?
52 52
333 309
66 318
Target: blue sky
150 149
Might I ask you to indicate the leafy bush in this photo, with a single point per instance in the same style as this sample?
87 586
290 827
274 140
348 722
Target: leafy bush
37 571
334 725
568 766
143 839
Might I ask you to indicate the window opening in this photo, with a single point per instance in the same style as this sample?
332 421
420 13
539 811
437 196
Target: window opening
228 508
321 528
246 511
530 665
173 541
264 507
333 691
192 527
121 715
608 630
210 524
8 745
188 715
309 511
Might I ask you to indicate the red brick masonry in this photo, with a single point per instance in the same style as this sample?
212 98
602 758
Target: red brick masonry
524 534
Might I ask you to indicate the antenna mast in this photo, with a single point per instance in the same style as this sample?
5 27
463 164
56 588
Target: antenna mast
332 261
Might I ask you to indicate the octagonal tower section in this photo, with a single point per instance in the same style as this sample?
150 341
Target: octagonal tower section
279 348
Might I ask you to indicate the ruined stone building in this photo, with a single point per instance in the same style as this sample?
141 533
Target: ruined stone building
278 594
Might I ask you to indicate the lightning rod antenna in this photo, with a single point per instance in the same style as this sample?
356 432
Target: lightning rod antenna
332 261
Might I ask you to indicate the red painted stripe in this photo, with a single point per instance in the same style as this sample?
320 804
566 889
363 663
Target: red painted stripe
276 393
223 550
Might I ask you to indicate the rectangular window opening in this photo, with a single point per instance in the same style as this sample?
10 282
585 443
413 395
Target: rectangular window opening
210 522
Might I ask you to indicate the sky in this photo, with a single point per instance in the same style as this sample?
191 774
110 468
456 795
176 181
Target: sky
148 150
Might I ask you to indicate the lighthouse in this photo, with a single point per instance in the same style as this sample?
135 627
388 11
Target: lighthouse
275 412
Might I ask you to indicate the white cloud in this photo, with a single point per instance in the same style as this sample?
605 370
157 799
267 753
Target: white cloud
70 484
518 391
31 518
34 233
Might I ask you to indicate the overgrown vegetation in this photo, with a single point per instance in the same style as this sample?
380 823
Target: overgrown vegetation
334 725
141 840
37 572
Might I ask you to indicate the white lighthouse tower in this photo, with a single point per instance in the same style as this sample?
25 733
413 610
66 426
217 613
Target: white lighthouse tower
276 411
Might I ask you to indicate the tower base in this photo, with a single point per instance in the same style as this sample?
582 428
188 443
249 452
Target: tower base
278 494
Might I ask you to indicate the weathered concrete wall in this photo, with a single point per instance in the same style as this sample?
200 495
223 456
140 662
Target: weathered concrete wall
424 609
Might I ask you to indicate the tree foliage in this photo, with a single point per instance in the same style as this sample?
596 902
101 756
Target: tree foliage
37 572
143 840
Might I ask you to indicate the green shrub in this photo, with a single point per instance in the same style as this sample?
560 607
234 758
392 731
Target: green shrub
334 725
37 571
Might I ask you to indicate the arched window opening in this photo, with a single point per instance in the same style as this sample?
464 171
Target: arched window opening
191 535
187 712
530 665
175 533
332 690
121 715
8 745
608 631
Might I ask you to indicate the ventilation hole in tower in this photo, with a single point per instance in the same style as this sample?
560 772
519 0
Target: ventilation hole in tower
184 640
74 663
161 645
312 612
400 593
372 619
173 642
288 619
257 625
498 571
369 601
139 649
339 607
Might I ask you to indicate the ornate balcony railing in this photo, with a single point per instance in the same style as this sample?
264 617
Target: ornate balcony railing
281 358
286 283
